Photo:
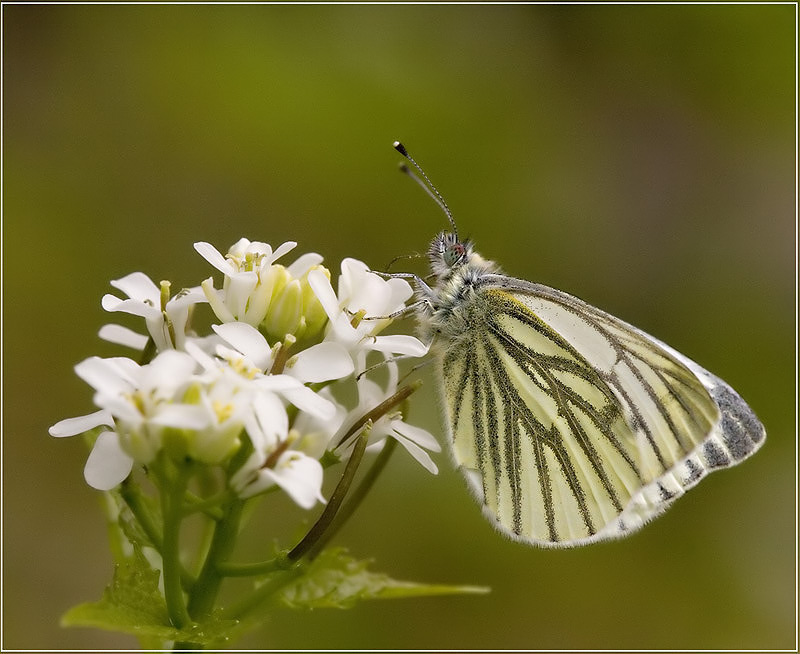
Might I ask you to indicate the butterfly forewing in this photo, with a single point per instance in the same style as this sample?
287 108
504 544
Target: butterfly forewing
574 426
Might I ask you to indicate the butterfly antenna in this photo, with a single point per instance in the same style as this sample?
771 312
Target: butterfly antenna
427 185
399 257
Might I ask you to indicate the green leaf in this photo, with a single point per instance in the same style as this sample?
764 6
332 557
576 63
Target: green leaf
128 523
336 580
134 604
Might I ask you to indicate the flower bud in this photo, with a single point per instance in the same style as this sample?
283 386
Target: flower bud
312 308
285 315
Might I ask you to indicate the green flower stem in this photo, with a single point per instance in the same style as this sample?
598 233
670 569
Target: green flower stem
280 562
356 497
283 561
172 492
222 543
324 521
379 411
132 495
209 506
264 592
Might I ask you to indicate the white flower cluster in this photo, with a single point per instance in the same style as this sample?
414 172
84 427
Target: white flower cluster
264 380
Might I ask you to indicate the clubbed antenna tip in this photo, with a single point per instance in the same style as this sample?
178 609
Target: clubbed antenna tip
426 185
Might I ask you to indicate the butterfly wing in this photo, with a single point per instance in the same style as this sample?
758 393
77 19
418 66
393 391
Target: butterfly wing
573 426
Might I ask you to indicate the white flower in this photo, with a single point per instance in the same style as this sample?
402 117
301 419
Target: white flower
144 400
226 406
246 291
315 434
200 396
142 403
248 373
159 405
363 291
392 425
261 293
318 363
165 317
275 461
108 464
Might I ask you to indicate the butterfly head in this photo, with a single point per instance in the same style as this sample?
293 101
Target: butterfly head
447 254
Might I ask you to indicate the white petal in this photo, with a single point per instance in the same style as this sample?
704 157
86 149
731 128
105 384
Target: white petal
400 291
282 249
207 362
272 419
187 296
108 465
81 424
343 332
307 400
168 371
418 453
370 394
248 471
178 312
103 376
257 303
123 336
300 476
182 416
353 272
216 299
321 362
213 256
361 289
322 288
400 344
120 407
418 435
134 307
240 287
303 264
261 483
255 247
158 329
277 383
243 246
247 340
138 286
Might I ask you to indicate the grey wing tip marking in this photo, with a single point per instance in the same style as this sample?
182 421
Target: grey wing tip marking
740 429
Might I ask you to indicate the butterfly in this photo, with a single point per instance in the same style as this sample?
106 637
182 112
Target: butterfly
570 425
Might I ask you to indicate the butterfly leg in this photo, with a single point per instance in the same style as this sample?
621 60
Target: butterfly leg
421 283
410 308
394 359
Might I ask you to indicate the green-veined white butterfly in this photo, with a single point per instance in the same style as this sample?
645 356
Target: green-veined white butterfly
571 426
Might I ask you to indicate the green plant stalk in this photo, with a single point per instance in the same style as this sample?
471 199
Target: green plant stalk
280 562
356 497
206 588
172 493
373 415
324 521
132 497
264 592
208 506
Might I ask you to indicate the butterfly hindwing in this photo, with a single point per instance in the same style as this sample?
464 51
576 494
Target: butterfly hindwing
574 426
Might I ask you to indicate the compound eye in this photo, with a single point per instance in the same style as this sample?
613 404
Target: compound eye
453 254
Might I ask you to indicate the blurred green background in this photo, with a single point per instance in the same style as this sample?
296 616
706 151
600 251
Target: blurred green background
640 157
